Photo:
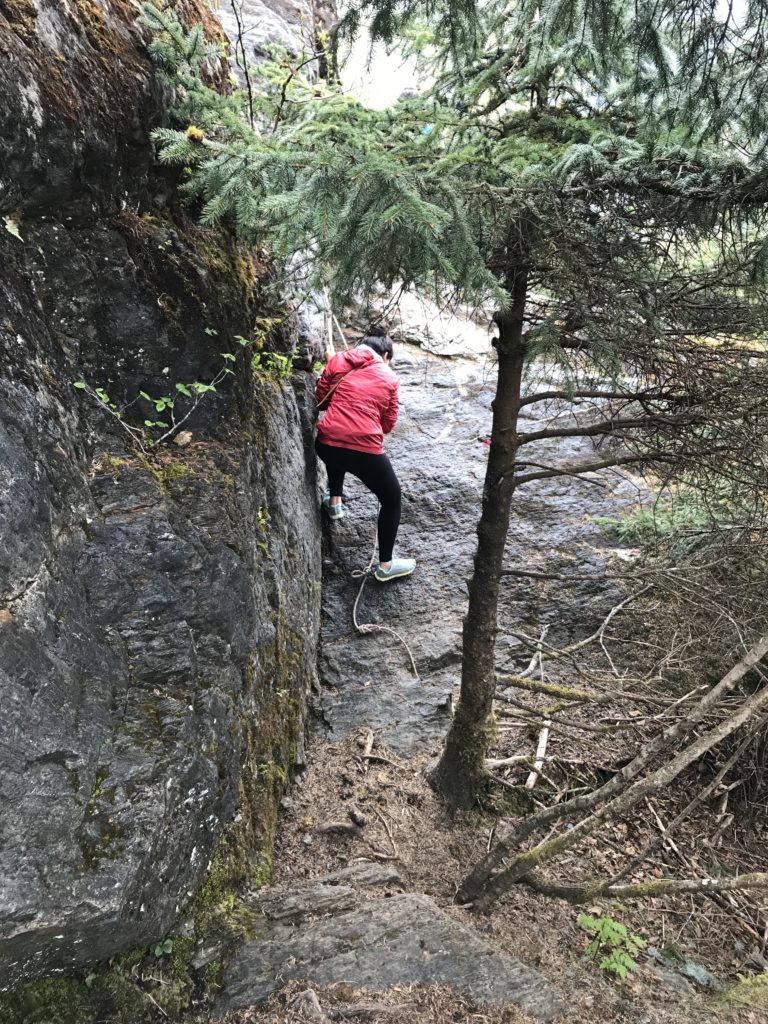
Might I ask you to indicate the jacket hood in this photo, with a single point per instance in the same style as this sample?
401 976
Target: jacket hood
360 355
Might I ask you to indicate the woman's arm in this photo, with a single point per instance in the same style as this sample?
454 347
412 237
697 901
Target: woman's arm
389 415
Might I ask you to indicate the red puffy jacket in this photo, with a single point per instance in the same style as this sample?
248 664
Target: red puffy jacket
363 408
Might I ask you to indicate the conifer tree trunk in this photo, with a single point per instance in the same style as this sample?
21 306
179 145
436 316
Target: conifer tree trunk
460 775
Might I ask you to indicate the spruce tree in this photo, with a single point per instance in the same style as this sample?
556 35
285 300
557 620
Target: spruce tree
594 170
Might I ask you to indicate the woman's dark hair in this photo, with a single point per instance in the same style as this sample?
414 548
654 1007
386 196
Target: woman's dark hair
379 343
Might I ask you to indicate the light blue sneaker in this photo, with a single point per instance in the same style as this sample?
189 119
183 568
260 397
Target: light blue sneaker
334 511
399 567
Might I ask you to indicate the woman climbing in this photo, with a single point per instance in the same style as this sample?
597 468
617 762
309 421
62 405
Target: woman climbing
359 392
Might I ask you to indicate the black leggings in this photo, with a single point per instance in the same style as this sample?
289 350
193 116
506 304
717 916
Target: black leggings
376 472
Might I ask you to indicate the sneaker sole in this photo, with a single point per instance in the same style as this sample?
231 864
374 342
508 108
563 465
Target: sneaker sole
394 576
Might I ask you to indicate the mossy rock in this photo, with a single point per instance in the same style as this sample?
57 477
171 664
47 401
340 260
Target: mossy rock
748 994
110 997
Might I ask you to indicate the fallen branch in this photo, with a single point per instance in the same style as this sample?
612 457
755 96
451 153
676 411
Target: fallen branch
575 695
528 759
384 760
523 863
385 823
365 1010
566 723
663 741
657 887
339 828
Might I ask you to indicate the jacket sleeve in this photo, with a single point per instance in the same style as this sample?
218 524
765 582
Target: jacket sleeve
389 414
327 378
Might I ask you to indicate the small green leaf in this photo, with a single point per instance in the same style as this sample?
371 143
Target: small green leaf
228 356
145 395
211 331
80 384
184 390
149 423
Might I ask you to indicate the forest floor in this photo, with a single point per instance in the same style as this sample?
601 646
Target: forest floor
364 795
406 822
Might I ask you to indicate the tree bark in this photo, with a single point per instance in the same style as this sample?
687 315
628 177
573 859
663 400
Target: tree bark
461 775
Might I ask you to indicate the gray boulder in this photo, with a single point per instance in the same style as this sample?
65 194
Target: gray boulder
403 939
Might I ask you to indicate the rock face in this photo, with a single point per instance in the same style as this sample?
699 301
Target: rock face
157 618
377 943
439 454
254 26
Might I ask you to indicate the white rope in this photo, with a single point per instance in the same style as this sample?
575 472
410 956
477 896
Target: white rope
372 627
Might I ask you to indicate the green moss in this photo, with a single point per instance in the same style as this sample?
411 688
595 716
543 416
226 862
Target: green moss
212 975
244 855
216 908
127 991
173 469
46 1001
749 993
98 835
194 251
111 464
118 998
110 997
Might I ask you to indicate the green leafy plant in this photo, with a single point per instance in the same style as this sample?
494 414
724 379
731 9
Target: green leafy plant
612 942
163 948
166 414
272 364
684 520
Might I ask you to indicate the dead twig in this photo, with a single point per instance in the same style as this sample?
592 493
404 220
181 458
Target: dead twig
384 760
541 750
385 823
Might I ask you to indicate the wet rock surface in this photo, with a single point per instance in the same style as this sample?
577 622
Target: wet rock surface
400 938
157 619
439 452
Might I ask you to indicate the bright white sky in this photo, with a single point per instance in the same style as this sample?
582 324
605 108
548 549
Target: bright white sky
379 84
